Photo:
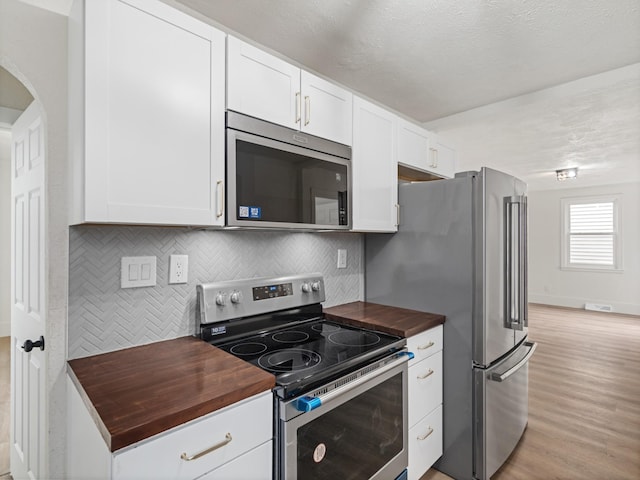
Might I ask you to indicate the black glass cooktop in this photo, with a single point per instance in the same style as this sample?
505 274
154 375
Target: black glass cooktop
312 352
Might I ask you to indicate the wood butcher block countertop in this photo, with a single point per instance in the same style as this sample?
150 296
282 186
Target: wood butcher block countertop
135 393
393 320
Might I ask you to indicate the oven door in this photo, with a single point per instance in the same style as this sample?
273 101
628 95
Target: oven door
272 183
358 432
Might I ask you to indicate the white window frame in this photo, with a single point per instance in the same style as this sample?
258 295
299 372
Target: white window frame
617 236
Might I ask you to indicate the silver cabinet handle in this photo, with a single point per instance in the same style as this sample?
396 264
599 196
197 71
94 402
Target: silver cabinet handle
428 374
220 191
297 107
501 377
307 110
424 437
434 157
426 345
195 456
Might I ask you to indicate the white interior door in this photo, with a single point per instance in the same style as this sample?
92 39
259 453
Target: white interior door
28 312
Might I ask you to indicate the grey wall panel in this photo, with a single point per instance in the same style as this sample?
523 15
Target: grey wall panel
103 317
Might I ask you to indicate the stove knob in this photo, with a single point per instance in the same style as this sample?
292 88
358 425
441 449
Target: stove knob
235 297
221 299
306 288
315 286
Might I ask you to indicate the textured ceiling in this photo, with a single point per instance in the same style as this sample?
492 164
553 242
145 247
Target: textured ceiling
591 123
433 58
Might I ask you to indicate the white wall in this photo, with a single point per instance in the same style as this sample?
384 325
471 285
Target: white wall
33 48
5 232
550 285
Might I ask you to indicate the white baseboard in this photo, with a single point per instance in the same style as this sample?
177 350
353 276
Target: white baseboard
572 302
5 329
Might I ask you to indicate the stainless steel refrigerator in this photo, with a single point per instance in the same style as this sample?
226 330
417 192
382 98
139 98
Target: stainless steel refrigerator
461 251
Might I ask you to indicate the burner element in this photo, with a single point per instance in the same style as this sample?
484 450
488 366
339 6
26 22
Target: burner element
325 328
248 348
290 336
289 360
353 338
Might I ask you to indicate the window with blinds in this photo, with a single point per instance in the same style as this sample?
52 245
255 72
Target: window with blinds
591 233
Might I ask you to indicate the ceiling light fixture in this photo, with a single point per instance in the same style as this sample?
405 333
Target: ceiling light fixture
567 173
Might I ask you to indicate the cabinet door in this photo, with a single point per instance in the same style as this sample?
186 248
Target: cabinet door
374 171
233 431
262 85
425 444
154 115
443 160
253 465
425 387
327 110
413 145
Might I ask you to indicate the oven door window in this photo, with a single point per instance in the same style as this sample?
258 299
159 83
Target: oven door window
287 184
356 439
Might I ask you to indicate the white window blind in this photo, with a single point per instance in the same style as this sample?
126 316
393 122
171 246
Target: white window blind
591 233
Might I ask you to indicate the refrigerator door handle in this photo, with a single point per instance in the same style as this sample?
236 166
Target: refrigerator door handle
524 263
514 259
501 377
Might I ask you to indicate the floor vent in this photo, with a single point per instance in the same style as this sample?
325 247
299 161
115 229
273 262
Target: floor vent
598 307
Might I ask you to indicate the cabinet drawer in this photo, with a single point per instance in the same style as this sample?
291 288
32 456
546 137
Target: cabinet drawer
425 444
253 465
249 424
425 344
425 387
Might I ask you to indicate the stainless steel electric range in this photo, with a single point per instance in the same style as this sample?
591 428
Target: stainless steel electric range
340 401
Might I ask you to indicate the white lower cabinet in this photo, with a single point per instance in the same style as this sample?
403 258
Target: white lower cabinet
425 401
425 443
250 466
241 434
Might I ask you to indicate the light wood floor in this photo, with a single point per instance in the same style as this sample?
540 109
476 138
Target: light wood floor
584 399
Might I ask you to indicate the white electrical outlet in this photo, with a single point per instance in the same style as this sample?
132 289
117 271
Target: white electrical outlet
342 258
137 272
178 268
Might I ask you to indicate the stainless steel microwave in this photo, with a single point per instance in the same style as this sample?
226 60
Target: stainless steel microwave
281 178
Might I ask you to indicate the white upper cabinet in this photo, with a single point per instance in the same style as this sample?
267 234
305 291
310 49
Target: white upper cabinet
419 149
443 160
261 85
146 88
374 168
267 87
413 145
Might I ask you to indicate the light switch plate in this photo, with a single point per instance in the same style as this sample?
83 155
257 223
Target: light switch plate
137 272
342 258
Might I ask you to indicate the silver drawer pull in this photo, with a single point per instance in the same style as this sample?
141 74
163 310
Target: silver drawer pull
425 375
428 345
227 439
423 437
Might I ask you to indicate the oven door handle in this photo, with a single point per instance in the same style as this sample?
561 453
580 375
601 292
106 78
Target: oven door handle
308 403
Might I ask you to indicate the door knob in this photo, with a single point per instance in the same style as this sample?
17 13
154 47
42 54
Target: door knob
29 345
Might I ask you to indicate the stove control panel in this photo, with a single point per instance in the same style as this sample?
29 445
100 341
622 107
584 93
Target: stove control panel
223 301
273 291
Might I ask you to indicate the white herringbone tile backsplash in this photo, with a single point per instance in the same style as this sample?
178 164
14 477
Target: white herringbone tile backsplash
103 317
